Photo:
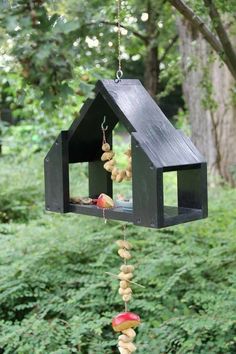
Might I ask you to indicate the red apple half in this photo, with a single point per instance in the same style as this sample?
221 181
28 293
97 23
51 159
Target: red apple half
125 320
104 201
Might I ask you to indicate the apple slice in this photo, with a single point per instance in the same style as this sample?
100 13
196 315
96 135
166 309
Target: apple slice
104 201
125 320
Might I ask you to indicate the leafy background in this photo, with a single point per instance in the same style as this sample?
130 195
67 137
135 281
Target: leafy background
54 294
56 298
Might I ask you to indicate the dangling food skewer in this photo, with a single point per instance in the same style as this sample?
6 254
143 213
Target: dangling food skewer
125 322
110 164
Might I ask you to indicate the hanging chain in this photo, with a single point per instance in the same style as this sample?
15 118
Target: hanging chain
119 72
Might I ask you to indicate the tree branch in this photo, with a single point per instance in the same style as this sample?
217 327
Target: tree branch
199 24
221 32
129 29
168 48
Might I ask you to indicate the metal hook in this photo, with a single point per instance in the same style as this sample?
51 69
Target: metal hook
102 125
119 75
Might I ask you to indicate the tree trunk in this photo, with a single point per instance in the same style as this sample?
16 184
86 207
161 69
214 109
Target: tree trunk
208 88
152 65
152 70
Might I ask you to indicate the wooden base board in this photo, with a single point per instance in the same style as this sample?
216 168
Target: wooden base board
172 215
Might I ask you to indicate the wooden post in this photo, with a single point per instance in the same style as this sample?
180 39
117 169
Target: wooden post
56 167
192 188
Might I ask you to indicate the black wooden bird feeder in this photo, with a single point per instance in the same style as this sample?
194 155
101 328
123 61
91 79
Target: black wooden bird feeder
156 146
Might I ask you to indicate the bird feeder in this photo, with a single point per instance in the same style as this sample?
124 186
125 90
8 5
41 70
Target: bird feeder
156 148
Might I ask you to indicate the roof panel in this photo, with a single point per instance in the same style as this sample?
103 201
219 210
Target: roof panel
132 103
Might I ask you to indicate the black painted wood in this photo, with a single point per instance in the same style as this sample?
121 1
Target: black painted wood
56 169
172 214
157 147
92 210
129 102
192 188
85 134
99 182
203 189
178 215
147 188
134 106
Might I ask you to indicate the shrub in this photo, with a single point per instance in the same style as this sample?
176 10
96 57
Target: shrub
21 191
56 298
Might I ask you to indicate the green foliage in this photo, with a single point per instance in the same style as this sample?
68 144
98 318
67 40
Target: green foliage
182 122
45 56
208 101
21 189
170 77
37 124
56 298
54 294
62 36
47 65
225 7
234 95
70 45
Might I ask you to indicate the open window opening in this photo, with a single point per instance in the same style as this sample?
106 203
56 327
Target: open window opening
115 182
78 183
122 191
183 195
170 189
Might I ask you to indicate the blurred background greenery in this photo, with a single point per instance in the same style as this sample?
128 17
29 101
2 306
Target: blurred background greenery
54 294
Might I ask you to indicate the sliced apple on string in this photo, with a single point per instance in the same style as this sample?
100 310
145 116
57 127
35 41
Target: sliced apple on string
105 202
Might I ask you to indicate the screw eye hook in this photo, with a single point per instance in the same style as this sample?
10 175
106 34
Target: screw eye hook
119 75
102 125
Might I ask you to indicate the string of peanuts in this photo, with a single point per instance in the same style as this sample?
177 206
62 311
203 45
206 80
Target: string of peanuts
126 273
110 164
124 322
125 340
125 344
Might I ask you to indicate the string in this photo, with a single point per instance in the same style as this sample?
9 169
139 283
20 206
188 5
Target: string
119 72
104 129
129 281
104 216
125 262
104 141
124 236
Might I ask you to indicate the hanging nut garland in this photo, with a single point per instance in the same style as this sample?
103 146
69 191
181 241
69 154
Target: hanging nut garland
123 323
117 175
126 321
126 271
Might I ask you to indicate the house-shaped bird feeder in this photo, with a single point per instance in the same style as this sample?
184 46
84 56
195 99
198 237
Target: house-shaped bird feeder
156 148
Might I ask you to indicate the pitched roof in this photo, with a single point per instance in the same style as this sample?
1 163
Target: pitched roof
129 102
